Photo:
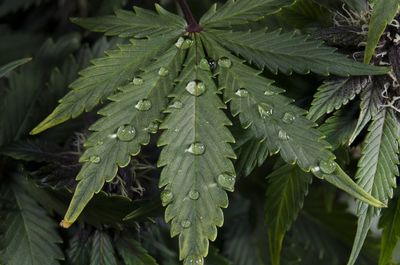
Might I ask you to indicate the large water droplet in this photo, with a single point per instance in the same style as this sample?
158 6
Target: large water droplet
283 135
327 166
183 43
265 110
194 195
137 81
166 197
196 148
143 105
242 93
288 118
227 181
225 62
152 128
126 133
194 260
196 88
163 71
204 65
186 223
95 159
176 105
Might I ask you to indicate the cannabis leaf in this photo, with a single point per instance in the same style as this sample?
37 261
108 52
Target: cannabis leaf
133 253
390 222
5 69
102 251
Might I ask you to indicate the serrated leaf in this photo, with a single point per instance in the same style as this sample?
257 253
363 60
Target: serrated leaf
30 235
107 149
288 52
138 24
78 252
5 69
102 252
132 252
287 189
383 13
235 12
104 77
332 95
196 160
377 171
390 222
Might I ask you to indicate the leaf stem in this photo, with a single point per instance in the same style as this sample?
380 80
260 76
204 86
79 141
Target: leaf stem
193 26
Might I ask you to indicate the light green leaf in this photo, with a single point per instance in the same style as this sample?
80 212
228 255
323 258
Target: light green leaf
132 252
5 69
127 124
285 196
332 95
390 222
196 160
139 24
235 12
377 171
102 252
288 52
383 13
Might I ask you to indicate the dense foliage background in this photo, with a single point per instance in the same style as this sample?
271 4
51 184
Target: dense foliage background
124 223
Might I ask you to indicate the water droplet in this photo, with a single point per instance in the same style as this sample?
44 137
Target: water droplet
269 93
242 93
283 135
186 223
327 166
196 88
137 81
196 148
288 118
193 260
194 195
315 170
265 110
126 133
227 181
166 197
183 43
204 65
225 62
163 71
95 159
143 105
152 128
176 105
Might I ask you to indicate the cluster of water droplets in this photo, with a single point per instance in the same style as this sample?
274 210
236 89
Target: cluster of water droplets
194 260
137 81
143 105
184 43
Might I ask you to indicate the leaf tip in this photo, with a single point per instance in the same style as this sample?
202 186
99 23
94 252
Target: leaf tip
65 224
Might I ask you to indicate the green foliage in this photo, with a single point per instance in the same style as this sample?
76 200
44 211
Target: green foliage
391 233
12 65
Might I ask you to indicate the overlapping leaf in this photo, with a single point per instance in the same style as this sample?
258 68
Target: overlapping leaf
390 222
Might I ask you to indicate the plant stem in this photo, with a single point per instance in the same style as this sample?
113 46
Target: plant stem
193 26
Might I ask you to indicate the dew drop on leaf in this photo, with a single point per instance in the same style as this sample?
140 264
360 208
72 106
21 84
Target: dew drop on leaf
176 105
152 128
143 105
265 110
163 71
289 118
315 170
204 65
95 159
225 62
269 93
194 195
126 133
283 135
183 43
166 197
227 181
196 148
137 81
186 223
327 166
193 260
196 88
242 93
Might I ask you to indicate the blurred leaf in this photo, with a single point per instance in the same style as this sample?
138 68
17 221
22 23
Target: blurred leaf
4 70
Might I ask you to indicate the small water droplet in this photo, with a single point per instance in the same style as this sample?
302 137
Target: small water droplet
186 223
288 118
183 43
196 88
315 170
143 105
196 148
95 159
269 93
265 110
204 65
225 62
176 105
137 81
194 195
163 71
166 197
327 166
227 181
242 93
126 133
283 135
152 128
193 260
